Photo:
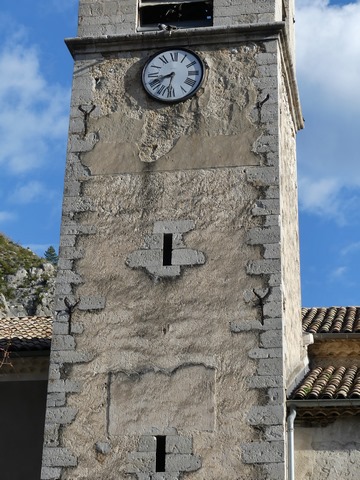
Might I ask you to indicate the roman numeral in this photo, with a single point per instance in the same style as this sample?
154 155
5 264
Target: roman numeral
154 83
155 66
164 59
174 56
183 89
161 90
190 81
193 72
183 58
154 75
190 64
170 92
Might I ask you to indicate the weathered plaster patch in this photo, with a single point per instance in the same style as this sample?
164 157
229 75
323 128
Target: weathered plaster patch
184 398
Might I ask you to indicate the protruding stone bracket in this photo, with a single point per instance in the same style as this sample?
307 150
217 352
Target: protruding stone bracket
164 252
163 455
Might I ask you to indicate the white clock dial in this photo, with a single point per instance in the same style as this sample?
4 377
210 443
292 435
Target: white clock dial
173 75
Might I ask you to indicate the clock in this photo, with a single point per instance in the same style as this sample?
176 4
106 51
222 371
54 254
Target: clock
173 75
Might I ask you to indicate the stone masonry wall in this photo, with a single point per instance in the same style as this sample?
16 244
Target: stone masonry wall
117 17
196 359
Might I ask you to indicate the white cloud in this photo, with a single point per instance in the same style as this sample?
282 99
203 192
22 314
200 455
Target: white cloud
328 46
328 49
33 113
6 216
350 249
338 273
30 192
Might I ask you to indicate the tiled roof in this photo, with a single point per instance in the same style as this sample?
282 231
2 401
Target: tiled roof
25 334
331 320
329 383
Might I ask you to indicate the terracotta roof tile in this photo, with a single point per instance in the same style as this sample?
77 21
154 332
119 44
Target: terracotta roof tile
331 320
25 333
329 383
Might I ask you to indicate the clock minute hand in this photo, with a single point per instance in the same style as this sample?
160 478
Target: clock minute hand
161 77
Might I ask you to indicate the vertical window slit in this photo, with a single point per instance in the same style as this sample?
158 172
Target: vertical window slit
167 249
160 453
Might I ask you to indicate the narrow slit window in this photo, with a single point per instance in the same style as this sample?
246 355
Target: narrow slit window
178 14
167 249
160 453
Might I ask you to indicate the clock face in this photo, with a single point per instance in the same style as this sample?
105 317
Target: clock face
173 75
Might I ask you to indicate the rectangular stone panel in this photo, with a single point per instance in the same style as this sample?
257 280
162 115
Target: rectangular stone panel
182 399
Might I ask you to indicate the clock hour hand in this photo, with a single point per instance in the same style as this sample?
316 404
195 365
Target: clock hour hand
171 75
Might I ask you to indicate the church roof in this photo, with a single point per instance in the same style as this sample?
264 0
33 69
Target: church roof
331 320
20 334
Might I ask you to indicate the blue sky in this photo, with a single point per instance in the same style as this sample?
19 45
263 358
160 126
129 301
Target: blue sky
35 86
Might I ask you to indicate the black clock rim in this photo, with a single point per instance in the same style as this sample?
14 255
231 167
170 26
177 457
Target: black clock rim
186 97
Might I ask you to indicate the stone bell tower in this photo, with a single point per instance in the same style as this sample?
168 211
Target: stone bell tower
178 296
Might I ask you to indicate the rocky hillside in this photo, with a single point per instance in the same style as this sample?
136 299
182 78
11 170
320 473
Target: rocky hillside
26 281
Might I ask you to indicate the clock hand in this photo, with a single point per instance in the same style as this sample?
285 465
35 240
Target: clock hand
161 77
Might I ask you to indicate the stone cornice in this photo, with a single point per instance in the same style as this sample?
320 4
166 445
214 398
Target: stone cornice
83 46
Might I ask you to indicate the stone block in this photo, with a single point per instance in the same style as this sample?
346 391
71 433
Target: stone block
271 339
78 229
178 444
64 386
48 473
272 309
271 220
91 303
266 207
181 463
262 176
60 328
154 241
60 415
274 471
68 356
58 457
67 241
187 256
51 435
270 366
272 250
276 396
267 415
63 342
266 235
274 432
147 443
66 276
264 452
141 462
57 399
71 253
77 205
264 381
64 264
145 258
263 267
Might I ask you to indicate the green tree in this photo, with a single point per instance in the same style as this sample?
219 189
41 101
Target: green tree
51 255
